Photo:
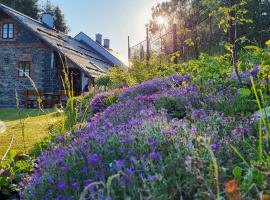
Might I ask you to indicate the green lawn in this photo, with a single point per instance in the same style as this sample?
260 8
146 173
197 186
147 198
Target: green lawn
36 123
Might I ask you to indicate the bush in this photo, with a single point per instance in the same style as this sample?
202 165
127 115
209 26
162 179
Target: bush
103 100
234 103
134 146
104 81
173 105
119 78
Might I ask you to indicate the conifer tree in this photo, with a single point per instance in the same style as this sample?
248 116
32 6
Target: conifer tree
59 18
27 7
59 22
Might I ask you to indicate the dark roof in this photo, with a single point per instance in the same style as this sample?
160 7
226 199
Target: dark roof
78 53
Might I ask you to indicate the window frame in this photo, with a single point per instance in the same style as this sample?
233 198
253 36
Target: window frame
23 65
8 31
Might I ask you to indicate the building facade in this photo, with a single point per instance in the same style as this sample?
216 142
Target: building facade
33 55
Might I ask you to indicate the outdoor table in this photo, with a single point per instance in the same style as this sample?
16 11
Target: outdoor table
51 99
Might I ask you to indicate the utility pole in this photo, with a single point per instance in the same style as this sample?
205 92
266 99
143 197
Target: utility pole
175 49
129 52
174 39
147 46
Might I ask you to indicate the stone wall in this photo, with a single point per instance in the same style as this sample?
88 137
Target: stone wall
24 47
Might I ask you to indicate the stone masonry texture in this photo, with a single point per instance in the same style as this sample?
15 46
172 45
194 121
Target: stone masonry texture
24 47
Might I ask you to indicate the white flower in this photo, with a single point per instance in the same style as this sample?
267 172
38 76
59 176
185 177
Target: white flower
2 127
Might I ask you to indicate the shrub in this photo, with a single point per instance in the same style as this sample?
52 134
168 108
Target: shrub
156 67
156 86
103 100
133 150
173 105
233 102
120 78
104 81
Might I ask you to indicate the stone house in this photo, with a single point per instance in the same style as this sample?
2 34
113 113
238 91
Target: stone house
31 48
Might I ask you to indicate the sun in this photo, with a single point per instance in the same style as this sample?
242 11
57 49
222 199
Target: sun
162 20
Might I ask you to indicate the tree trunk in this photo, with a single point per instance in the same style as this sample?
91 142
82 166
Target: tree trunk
233 40
210 36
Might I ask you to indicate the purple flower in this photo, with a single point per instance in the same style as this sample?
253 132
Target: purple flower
155 155
75 184
93 159
99 102
169 132
215 146
200 115
61 185
255 70
115 137
84 170
119 164
178 80
129 171
152 143
151 178
133 159
87 182
193 129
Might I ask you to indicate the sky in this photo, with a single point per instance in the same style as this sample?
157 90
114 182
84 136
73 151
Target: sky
114 19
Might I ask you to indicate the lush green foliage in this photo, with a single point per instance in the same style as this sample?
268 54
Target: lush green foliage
17 161
28 7
156 136
205 25
173 105
172 131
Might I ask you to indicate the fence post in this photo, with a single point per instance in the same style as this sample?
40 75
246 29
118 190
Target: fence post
174 39
175 49
129 52
147 46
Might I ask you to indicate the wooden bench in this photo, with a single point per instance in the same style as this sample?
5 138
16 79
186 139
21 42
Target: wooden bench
33 98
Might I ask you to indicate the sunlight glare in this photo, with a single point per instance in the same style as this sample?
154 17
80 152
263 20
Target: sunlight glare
162 20
2 127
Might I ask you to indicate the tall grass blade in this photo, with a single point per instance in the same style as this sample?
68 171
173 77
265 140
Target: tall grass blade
260 142
239 155
263 112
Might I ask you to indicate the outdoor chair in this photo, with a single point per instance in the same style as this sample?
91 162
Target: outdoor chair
62 98
32 98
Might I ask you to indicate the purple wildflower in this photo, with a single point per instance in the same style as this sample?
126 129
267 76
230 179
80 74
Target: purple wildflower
151 178
255 70
119 164
93 159
129 171
152 142
155 155
61 185
215 146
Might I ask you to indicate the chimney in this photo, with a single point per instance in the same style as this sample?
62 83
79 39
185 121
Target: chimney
99 38
106 43
47 19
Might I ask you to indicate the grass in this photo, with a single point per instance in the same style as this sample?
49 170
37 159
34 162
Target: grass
36 123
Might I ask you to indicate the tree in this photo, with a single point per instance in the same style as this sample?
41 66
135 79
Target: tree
59 22
196 31
27 7
59 18
231 14
32 9
231 20
257 32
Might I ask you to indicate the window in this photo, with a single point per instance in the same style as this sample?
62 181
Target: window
8 31
24 69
